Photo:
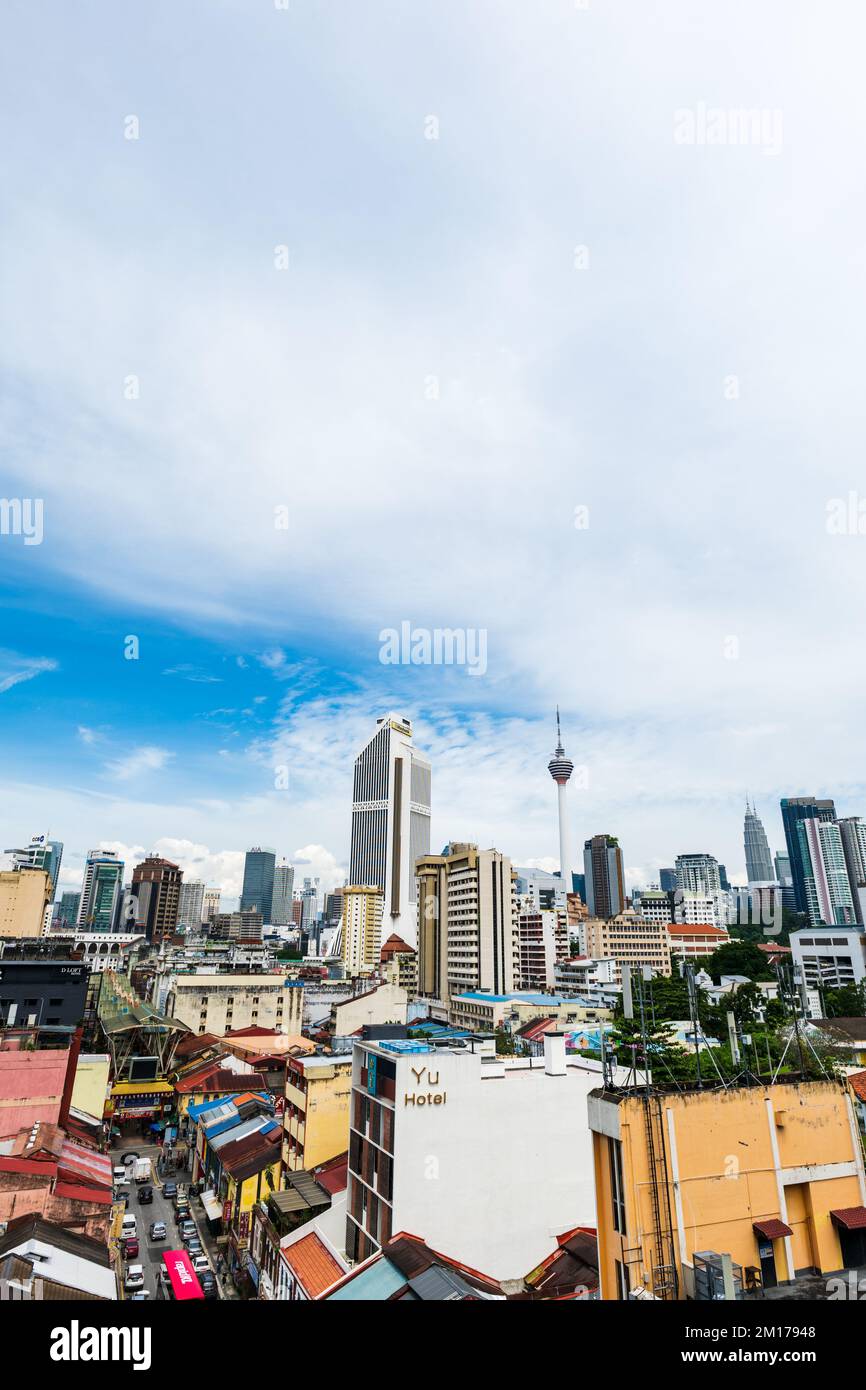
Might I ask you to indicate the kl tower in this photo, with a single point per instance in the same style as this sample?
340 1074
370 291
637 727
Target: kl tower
560 768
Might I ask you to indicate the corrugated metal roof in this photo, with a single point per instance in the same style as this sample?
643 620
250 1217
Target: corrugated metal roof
375 1284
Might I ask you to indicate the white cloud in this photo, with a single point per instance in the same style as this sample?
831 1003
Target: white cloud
15 668
476 389
137 762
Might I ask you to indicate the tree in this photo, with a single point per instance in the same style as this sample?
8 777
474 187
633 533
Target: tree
739 958
847 1002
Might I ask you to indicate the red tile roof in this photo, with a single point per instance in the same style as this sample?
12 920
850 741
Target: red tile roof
695 929
313 1264
857 1082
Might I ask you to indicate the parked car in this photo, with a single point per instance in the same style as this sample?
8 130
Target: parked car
140 1295
129 1227
158 1230
208 1285
145 1194
134 1278
130 1247
193 1246
200 1263
169 1189
188 1231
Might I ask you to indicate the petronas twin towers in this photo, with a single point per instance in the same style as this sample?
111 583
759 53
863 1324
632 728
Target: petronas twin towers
759 861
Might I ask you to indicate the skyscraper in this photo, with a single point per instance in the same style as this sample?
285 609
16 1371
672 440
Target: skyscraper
828 890
41 853
191 904
100 891
391 821
853 831
796 809
605 880
467 922
560 768
698 873
284 884
156 883
759 863
668 880
257 894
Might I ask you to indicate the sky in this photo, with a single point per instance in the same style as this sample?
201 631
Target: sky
488 316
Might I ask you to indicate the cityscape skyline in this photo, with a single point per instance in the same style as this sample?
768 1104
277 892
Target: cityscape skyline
226 869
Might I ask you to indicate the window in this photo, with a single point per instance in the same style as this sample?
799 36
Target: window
621 1280
617 1187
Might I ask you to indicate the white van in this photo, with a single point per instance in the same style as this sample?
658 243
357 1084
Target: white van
129 1227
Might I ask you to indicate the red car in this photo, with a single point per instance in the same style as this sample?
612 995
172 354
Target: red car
130 1247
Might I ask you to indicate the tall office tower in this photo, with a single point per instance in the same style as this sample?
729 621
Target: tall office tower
723 879
257 894
41 853
284 886
101 890
156 883
668 880
796 809
391 821
560 768
362 927
191 904
605 880
210 904
759 863
853 831
467 922
828 889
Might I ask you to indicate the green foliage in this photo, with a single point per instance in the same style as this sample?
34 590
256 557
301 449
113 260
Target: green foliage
739 958
847 1002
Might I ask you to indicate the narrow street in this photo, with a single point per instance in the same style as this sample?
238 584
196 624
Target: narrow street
161 1209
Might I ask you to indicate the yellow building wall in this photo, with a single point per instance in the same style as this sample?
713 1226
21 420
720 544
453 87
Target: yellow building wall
324 1125
727 1175
23 896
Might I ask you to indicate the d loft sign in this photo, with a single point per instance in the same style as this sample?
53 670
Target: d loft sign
425 1077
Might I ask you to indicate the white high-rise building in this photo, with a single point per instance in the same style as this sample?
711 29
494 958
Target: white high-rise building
210 904
391 821
284 884
560 768
828 890
191 903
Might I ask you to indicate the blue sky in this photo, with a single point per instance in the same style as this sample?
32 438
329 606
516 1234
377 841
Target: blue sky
553 305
